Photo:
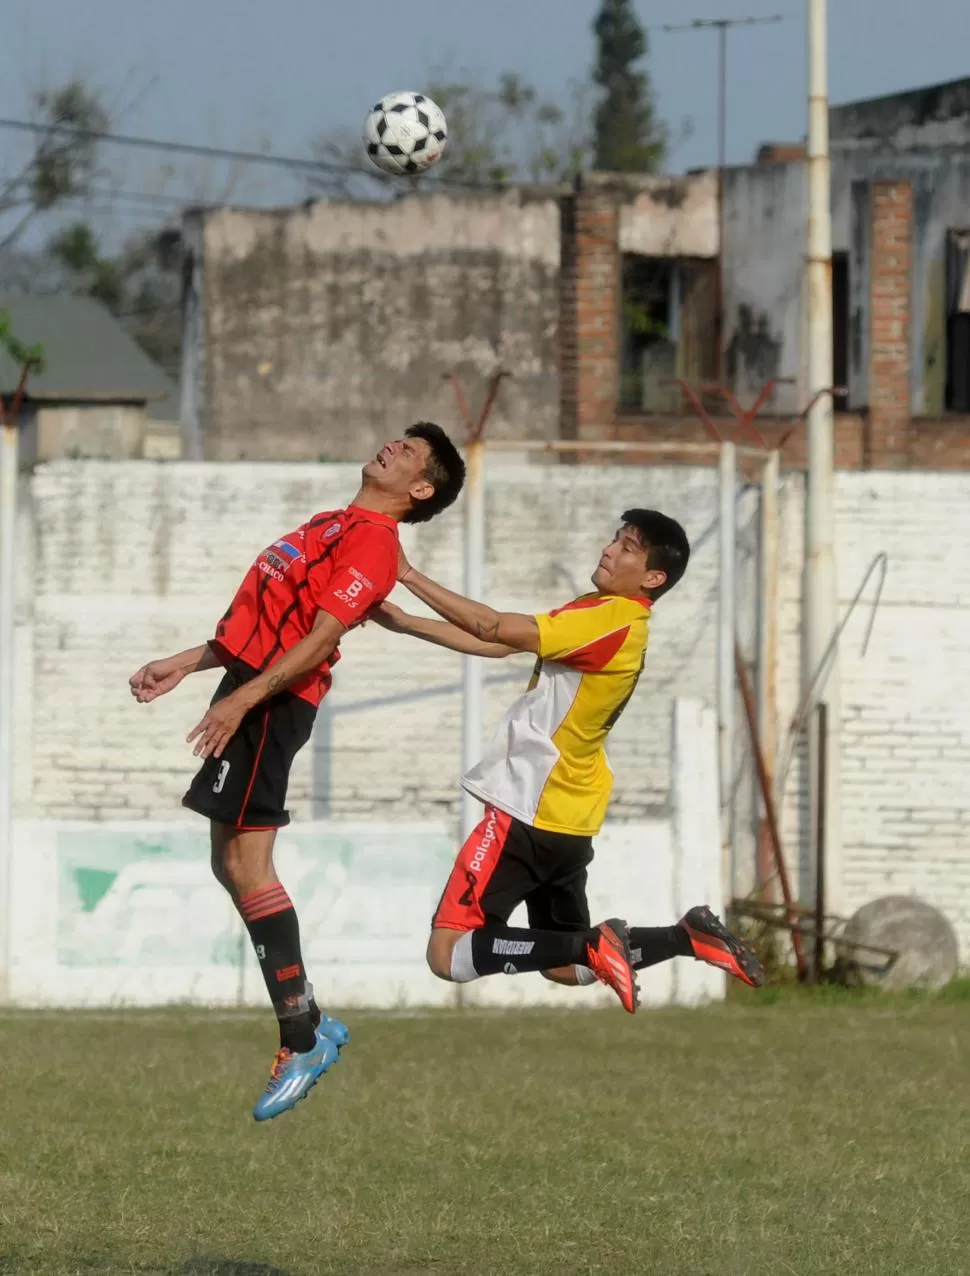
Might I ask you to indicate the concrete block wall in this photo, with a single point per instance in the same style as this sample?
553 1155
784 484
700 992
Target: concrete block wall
123 562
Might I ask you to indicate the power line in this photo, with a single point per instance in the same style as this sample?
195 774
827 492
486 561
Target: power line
182 148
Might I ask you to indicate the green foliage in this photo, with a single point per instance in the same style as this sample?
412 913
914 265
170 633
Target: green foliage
141 284
30 357
60 164
507 132
627 135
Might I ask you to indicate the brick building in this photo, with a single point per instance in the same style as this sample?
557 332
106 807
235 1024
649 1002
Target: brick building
336 322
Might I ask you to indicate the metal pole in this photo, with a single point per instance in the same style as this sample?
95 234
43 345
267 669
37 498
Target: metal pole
768 642
726 625
768 618
818 962
819 595
472 704
8 586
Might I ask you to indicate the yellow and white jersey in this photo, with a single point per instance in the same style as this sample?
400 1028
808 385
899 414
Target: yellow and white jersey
547 764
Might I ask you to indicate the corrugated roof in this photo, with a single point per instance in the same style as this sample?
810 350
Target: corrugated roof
89 354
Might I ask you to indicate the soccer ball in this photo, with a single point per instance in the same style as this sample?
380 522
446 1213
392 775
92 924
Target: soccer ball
405 134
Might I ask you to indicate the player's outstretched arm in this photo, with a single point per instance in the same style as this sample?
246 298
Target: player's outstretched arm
159 676
507 628
222 721
439 632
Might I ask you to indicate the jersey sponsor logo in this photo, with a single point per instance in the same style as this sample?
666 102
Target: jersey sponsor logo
278 559
484 846
269 570
332 530
289 551
512 947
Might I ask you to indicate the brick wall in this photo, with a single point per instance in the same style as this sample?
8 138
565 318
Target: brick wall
589 310
125 562
139 560
906 724
888 425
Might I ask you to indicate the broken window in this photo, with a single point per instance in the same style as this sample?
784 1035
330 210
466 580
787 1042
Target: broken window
958 321
668 329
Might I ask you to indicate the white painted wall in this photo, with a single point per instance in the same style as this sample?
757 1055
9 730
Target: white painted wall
115 913
122 562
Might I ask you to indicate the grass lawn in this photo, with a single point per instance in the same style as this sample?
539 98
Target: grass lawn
787 1134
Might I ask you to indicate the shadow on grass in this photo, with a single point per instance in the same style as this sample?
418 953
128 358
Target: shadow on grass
788 992
21 1265
225 1267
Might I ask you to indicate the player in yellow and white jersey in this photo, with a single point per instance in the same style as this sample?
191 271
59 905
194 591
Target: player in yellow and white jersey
546 782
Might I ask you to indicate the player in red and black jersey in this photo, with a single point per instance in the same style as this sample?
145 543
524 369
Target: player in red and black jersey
278 643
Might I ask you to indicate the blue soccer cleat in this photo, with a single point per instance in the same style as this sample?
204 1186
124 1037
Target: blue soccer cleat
333 1030
293 1077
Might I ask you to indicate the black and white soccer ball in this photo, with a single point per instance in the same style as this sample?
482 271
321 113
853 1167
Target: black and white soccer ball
405 133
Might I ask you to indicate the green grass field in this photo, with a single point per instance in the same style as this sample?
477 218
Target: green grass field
787 1135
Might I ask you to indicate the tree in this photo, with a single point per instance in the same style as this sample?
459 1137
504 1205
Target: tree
59 164
141 284
497 134
628 138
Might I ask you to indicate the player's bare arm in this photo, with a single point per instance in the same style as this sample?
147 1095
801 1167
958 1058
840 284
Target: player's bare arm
439 632
222 720
507 628
160 676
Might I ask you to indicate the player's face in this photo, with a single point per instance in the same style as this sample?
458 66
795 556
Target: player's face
624 567
399 468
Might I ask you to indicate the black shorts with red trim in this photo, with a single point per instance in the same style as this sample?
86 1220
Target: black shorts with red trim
506 863
246 787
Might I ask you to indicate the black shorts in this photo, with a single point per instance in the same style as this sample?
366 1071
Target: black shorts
246 787
505 863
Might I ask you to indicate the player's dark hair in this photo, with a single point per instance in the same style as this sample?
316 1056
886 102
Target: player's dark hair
666 543
445 472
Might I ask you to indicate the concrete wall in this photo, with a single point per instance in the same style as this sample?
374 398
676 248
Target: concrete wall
116 913
764 263
106 431
670 216
124 562
339 321
923 119
764 252
136 561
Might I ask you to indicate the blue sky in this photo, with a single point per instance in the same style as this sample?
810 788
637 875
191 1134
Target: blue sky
246 73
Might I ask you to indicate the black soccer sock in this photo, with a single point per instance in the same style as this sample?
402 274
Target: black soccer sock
275 933
509 950
654 944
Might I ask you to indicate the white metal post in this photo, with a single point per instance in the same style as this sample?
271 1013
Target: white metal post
8 586
819 594
726 630
472 706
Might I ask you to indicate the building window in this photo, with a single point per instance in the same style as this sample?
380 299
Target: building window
840 326
957 394
667 329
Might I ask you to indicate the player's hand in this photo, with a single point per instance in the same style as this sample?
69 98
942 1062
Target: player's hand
388 616
155 679
218 726
403 566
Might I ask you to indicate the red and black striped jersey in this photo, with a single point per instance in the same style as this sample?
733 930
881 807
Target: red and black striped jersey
343 562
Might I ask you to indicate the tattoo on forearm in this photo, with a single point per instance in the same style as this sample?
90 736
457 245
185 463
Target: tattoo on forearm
488 632
276 683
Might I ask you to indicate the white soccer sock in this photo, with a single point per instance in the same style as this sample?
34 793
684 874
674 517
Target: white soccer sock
584 976
462 966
